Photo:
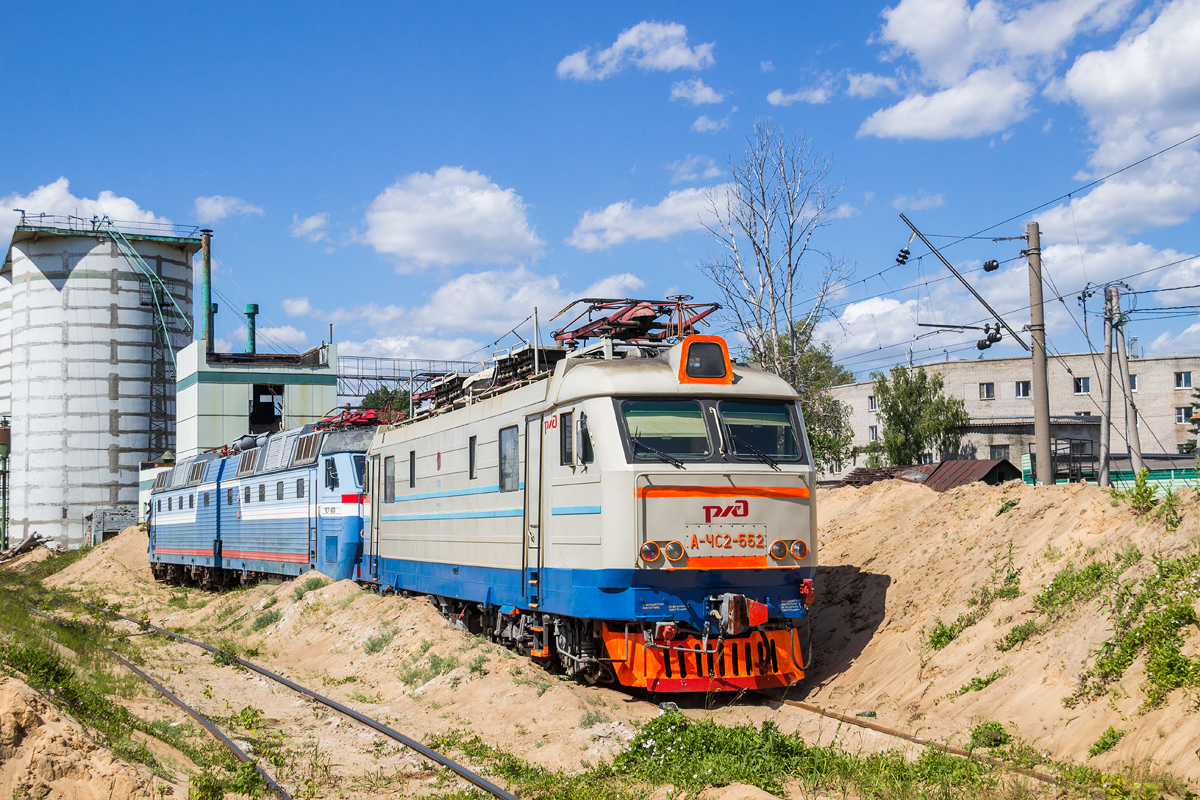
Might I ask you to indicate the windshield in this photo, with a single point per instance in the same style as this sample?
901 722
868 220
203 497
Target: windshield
763 428
671 427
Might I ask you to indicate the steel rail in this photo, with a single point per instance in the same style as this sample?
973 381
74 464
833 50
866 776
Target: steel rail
363 719
191 712
921 740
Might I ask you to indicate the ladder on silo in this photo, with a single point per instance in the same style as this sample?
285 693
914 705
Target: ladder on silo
163 368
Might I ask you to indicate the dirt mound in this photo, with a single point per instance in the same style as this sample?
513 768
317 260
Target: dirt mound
45 755
897 558
121 561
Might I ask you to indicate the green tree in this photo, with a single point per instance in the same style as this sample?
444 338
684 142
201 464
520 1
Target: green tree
814 376
917 417
378 399
1190 446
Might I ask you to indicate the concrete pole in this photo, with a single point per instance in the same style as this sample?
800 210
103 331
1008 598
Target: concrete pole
1044 472
206 324
1106 392
1131 413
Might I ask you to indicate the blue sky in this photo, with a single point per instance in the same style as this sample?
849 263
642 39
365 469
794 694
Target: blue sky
422 175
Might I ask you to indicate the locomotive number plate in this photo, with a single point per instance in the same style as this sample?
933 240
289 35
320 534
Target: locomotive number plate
725 539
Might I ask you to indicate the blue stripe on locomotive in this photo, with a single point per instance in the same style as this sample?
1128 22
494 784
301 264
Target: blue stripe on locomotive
612 594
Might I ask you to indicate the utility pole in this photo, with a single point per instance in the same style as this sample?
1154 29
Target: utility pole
1131 412
1106 391
1044 463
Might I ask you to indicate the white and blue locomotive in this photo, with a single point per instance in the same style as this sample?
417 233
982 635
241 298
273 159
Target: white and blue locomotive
632 514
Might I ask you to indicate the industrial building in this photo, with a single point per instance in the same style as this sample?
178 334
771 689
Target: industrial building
86 331
997 395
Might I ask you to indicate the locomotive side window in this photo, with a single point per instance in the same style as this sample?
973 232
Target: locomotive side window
663 429
565 433
206 499
247 498
389 479
262 493
168 504
229 497
360 470
760 429
160 504
510 460
279 491
331 475
300 487
412 469
471 459
191 501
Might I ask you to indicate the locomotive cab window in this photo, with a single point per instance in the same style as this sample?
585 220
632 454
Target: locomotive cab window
705 360
510 460
566 423
661 429
331 474
762 429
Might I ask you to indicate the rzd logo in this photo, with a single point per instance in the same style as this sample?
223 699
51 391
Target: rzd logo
739 509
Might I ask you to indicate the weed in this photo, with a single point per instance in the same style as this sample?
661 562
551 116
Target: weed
266 619
1073 585
270 601
327 681
308 585
592 717
989 734
1107 741
415 674
205 786
979 684
1008 505
476 665
1019 634
1004 584
178 600
539 681
1169 511
373 699
380 640
225 658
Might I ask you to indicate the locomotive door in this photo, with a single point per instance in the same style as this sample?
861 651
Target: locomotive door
533 509
376 495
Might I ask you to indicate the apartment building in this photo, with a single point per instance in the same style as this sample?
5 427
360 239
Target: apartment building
998 392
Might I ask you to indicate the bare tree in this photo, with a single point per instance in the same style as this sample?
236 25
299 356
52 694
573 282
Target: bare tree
776 285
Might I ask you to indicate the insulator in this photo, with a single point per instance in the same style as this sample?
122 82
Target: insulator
991 266
983 344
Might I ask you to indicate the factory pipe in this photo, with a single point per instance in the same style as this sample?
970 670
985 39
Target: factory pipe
206 328
251 311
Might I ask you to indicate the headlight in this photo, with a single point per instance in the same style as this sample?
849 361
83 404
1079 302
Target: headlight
779 549
650 551
799 549
674 551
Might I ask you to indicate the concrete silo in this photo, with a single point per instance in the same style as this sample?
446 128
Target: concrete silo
86 370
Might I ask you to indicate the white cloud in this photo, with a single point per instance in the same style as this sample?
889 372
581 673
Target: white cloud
1188 341
314 228
815 96
647 46
766 66
868 84
987 101
276 339
694 168
297 306
56 199
218 207
870 324
451 217
844 211
681 210
705 124
696 92
921 202
417 347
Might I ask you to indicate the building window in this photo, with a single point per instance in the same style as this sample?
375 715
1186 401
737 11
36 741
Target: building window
926 458
471 459
871 404
999 451
279 491
412 469
987 391
1183 415
1184 448
389 479
1083 413
1133 383
1023 388
1083 385
1183 380
873 433
566 422
300 488
510 460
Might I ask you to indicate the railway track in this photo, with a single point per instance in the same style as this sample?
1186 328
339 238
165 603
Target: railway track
412 744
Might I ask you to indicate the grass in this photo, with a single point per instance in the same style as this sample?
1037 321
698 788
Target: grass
1151 619
979 684
308 585
592 717
1019 634
539 681
1107 741
419 674
266 619
380 640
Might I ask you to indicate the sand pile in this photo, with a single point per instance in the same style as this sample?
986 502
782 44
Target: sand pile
45 755
897 556
121 561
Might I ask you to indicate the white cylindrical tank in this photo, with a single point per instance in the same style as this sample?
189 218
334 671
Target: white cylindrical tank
76 329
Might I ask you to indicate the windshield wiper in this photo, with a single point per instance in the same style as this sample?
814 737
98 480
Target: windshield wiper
763 457
664 457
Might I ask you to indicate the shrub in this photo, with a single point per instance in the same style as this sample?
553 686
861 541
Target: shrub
989 734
